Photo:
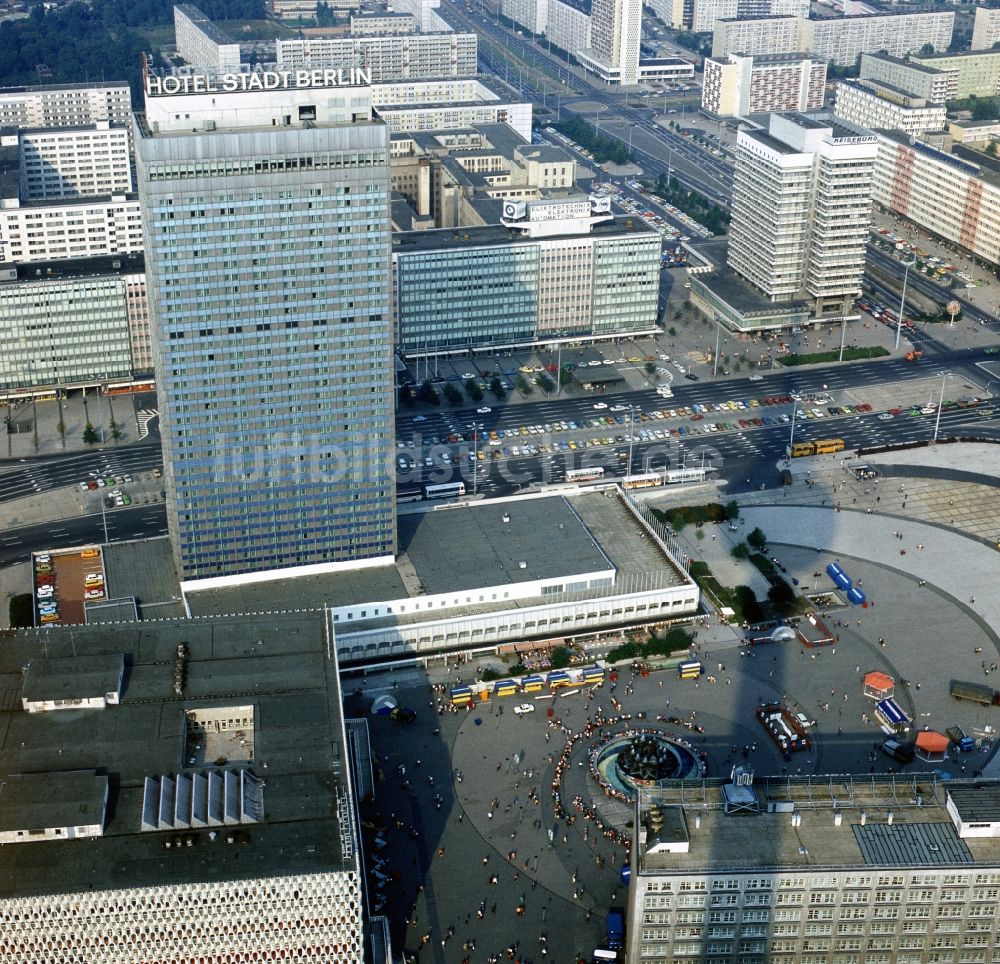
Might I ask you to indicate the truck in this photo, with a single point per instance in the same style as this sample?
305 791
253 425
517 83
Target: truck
914 355
957 736
900 751
616 929
974 692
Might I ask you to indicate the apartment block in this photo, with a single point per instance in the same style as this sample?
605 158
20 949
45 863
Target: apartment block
568 26
202 44
66 105
700 15
72 162
931 83
870 104
755 36
800 209
977 72
986 28
532 15
954 195
770 82
407 57
382 24
73 323
615 35
898 869
267 241
839 40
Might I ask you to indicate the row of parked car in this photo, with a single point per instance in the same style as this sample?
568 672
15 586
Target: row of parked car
45 588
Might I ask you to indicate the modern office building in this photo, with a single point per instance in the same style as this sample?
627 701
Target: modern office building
66 105
615 35
202 44
386 58
839 40
460 178
953 195
977 72
151 815
870 104
700 15
69 324
918 80
755 36
59 163
449 103
554 269
986 28
899 869
266 216
738 85
800 209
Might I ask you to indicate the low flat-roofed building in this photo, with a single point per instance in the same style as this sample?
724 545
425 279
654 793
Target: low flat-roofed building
876 105
382 24
721 864
723 294
188 830
519 568
81 682
973 131
665 70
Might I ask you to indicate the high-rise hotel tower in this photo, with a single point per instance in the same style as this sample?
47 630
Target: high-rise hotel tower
265 203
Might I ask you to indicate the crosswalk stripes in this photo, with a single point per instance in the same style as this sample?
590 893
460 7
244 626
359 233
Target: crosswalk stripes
143 418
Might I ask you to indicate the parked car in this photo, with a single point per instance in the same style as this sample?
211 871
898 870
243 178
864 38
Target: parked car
524 708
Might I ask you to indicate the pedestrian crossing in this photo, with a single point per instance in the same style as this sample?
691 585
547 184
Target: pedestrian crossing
143 418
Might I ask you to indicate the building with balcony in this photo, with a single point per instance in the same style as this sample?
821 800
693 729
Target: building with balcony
935 85
202 44
738 85
871 104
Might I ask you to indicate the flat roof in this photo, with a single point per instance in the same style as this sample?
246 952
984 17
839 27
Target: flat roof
977 802
727 285
899 62
45 801
44 88
921 832
465 549
487 235
143 570
75 677
202 22
274 664
118 264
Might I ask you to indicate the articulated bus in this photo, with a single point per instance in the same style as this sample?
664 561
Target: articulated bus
820 447
128 388
444 490
584 475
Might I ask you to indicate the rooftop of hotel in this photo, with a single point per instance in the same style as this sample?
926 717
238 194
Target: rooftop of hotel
119 264
273 668
841 822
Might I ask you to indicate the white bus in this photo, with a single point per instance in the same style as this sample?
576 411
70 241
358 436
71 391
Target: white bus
584 475
686 475
444 490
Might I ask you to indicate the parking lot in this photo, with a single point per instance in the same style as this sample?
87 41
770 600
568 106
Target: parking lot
65 582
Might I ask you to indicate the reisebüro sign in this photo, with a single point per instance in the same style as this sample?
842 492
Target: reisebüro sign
171 84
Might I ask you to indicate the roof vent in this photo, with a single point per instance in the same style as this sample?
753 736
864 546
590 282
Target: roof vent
505 517
838 818
864 818
890 818
522 565
697 821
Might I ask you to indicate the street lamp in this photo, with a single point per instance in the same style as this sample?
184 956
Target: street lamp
476 427
791 436
937 420
902 301
631 438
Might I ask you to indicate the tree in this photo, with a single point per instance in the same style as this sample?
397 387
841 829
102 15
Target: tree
740 551
496 386
453 395
757 539
406 397
927 50
522 385
732 508
89 435
560 657
116 432
565 377
473 390
545 383
781 596
650 368
428 394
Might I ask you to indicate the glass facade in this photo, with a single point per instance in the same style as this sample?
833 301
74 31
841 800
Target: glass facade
269 291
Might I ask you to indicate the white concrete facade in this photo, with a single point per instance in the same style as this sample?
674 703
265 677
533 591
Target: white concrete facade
871 105
986 28
937 86
839 40
407 57
759 35
65 105
201 43
951 198
73 162
568 27
70 229
740 85
615 35
533 15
